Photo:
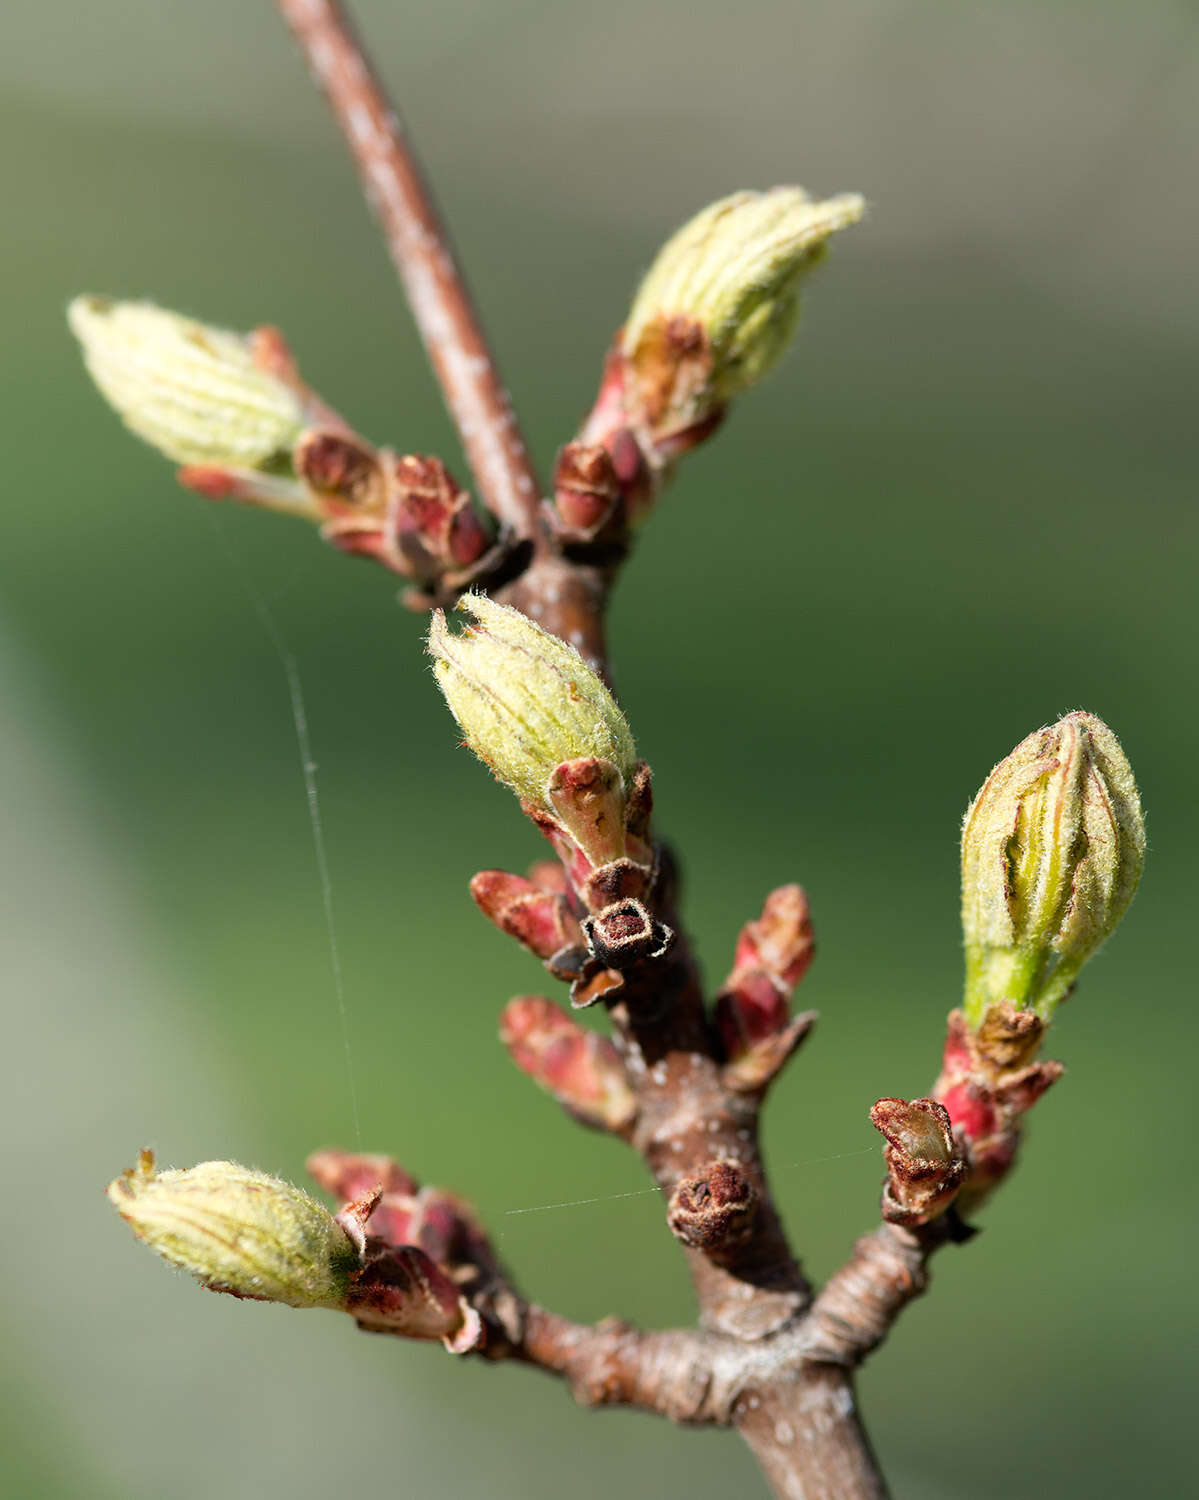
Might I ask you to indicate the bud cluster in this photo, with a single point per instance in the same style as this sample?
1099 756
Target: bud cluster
424 1253
713 315
534 712
753 1011
233 410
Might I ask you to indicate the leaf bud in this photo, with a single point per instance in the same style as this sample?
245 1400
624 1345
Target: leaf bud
239 1231
581 1069
720 302
194 392
1052 850
527 702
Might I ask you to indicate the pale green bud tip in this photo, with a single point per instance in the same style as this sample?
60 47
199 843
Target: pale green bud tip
239 1231
1052 850
735 270
524 700
191 391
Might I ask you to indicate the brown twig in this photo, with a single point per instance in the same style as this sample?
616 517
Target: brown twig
420 250
767 1360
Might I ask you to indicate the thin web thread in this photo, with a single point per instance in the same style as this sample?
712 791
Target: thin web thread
542 1208
308 767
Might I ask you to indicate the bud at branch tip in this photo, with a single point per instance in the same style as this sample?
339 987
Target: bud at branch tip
1052 850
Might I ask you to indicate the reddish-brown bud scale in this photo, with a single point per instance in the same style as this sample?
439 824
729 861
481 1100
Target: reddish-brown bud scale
536 917
403 1291
925 1165
772 955
346 1175
343 470
713 1208
212 483
583 1071
587 491
434 523
988 1082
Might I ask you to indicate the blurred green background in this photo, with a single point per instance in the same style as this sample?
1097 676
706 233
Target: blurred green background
963 505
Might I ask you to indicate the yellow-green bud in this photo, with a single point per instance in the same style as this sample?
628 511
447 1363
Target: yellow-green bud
1052 849
239 1231
524 700
735 270
193 392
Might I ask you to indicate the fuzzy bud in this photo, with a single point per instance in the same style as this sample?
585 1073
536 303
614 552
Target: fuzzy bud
1052 850
721 300
525 701
195 393
240 1231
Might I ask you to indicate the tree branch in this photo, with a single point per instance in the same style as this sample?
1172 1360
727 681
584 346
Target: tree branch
420 250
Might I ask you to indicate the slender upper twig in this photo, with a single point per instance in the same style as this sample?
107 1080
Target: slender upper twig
419 247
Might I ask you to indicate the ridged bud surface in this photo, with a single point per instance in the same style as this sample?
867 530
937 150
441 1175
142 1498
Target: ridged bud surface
193 392
1052 850
733 272
524 700
239 1231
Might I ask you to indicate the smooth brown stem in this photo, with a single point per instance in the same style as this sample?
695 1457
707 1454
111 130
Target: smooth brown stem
420 250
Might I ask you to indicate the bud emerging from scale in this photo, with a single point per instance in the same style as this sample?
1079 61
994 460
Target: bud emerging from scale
722 297
525 701
239 1231
1052 849
193 392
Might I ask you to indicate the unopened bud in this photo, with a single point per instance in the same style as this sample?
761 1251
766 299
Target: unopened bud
720 301
581 1069
193 392
239 1231
352 1174
524 700
925 1165
713 1209
539 918
1052 849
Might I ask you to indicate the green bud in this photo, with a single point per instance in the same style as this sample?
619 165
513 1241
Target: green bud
735 270
524 700
193 392
1052 849
239 1231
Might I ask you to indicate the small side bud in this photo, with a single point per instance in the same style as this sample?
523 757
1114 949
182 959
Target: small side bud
525 701
719 303
194 392
713 1208
581 1069
1052 850
925 1166
346 1175
239 1231
587 492
537 917
753 1011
